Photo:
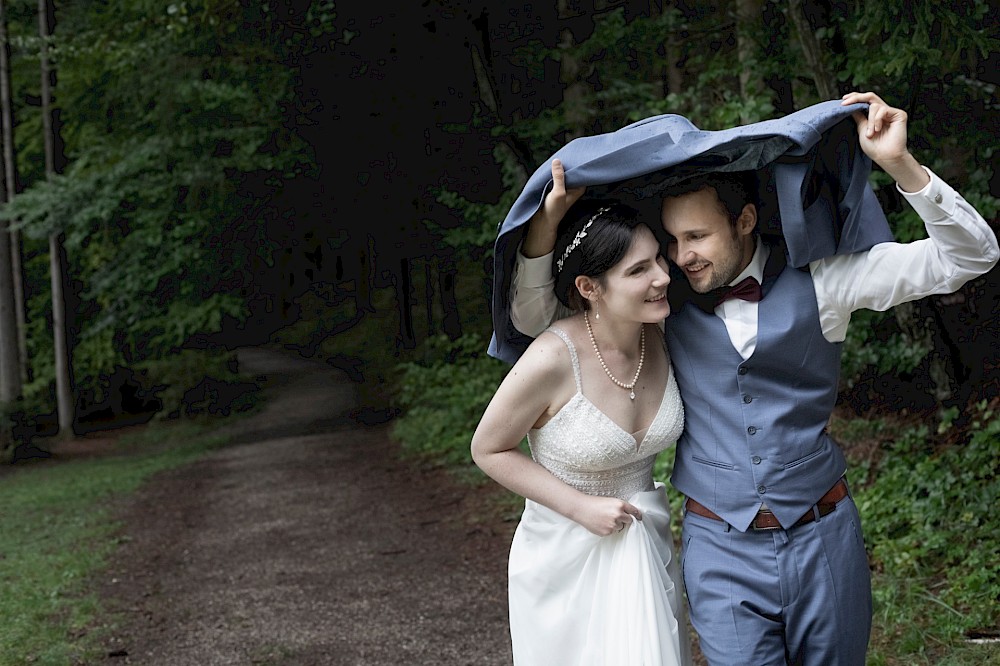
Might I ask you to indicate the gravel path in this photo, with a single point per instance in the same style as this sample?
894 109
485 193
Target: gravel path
309 542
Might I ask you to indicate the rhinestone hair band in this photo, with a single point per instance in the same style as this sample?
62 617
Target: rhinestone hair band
579 237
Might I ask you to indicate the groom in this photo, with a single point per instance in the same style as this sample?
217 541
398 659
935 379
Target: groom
773 558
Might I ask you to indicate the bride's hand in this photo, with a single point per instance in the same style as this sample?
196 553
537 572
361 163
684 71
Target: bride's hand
606 515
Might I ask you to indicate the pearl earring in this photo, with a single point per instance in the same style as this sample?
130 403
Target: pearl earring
597 313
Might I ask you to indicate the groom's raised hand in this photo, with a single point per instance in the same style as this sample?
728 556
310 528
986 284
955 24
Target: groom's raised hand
544 224
882 135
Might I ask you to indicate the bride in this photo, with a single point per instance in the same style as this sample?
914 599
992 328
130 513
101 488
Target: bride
592 577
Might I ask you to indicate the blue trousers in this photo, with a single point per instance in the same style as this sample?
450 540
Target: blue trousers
797 596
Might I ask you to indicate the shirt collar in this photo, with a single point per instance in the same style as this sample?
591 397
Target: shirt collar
755 268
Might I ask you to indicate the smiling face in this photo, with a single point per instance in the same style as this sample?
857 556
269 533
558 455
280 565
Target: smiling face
707 247
635 288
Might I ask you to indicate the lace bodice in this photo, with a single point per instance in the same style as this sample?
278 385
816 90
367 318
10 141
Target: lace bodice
582 446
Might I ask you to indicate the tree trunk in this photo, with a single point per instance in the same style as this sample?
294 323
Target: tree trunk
574 89
657 67
65 403
364 281
776 50
10 366
675 77
749 19
518 152
484 82
429 297
918 333
451 320
10 363
826 86
404 300
17 274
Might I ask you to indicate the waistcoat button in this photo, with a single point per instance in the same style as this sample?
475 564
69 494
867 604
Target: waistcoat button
743 370
752 430
747 399
761 489
755 460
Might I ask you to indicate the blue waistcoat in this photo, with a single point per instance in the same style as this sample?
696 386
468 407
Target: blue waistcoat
755 430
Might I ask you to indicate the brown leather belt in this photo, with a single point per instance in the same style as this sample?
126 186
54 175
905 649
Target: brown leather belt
765 520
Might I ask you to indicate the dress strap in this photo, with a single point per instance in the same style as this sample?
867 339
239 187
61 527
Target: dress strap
572 355
661 329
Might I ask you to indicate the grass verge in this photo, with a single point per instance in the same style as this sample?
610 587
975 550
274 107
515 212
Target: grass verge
58 531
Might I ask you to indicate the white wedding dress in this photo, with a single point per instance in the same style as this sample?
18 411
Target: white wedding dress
577 599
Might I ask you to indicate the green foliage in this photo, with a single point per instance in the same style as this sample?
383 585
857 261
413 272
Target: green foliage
929 518
197 382
443 397
172 119
874 340
907 629
619 62
711 95
612 56
896 50
480 221
900 37
149 208
662 469
859 349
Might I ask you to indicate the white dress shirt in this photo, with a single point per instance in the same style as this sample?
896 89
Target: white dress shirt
959 247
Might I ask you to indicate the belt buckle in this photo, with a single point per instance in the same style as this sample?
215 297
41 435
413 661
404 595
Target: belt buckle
765 528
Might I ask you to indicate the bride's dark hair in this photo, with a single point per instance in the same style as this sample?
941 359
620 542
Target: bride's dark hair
593 236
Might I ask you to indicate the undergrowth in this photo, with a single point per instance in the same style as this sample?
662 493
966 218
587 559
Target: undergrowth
443 395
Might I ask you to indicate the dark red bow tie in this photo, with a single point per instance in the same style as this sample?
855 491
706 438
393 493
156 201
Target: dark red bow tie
747 289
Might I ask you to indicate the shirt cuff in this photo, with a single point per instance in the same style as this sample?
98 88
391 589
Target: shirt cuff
936 201
534 272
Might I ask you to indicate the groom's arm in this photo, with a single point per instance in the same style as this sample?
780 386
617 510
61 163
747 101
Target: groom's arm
533 303
959 246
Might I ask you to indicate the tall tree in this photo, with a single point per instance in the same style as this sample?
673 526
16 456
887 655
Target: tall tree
812 49
10 363
14 242
748 25
673 77
65 401
571 72
775 52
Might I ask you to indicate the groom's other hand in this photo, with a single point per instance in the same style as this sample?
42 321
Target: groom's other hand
544 224
882 135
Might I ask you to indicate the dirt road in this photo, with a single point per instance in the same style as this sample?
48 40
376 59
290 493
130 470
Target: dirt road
309 542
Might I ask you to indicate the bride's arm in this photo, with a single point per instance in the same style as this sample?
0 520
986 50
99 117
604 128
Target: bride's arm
522 399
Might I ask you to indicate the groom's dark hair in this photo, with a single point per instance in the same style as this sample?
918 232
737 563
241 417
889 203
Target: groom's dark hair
735 189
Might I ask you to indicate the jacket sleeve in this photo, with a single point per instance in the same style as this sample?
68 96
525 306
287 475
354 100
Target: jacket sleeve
533 302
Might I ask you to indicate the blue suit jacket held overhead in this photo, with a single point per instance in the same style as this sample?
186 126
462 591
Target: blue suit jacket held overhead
814 190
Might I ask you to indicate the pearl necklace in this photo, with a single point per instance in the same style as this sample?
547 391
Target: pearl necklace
642 355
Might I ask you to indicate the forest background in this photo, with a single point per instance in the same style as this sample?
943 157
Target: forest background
329 176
